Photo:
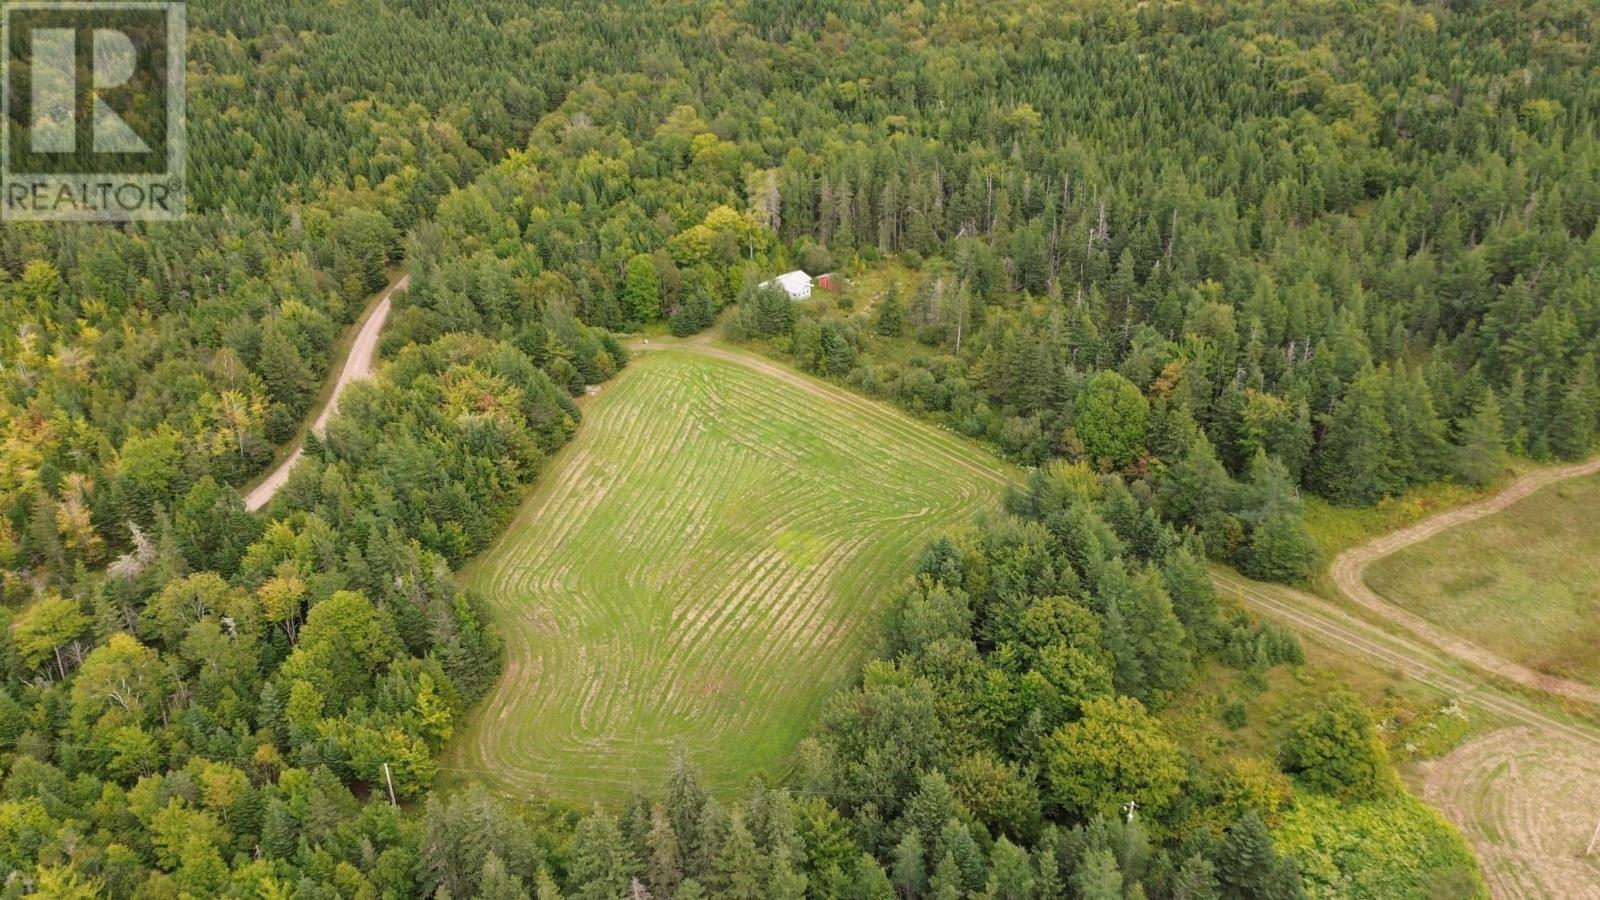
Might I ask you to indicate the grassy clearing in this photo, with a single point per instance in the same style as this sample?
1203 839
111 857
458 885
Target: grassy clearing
1338 528
1524 582
703 565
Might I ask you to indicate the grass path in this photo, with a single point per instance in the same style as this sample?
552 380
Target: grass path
704 564
1526 794
1349 574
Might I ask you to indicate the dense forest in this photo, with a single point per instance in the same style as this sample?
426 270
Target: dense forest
1227 251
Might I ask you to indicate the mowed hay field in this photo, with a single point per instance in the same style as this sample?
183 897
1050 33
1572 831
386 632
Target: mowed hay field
1524 582
704 564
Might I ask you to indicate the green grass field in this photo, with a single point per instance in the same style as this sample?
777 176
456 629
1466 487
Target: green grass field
1524 582
704 565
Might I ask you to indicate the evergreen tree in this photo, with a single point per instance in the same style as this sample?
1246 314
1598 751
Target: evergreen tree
1197 486
946 883
495 883
910 870
1281 550
685 804
837 355
1250 868
784 882
1572 434
1194 595
737 871
1355 462
957 843
664 861
1196 880
1011 875
891 313
600 866
1098 877
1480 448
546 887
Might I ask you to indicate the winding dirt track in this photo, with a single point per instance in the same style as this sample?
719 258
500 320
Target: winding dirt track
1524 796
1349 571
357 365
1520 795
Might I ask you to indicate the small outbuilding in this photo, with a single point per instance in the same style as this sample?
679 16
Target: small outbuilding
796 284
830 281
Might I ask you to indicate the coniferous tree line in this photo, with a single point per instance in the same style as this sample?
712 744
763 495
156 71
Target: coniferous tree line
1230 250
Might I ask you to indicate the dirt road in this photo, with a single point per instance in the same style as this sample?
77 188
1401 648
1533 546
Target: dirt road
1524 795
1349 571
357 365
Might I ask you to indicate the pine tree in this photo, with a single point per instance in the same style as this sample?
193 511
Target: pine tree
1355 462
712 832
495 883
635 825
1098 877
956 841
600 866
783 881
1196 486
1011 875
1194 595
871 882
736 872
1249 865
946 881
546 887
1480 449
1572 434
279 831
933 805
837 354
1159 638
1280 550
664 862
1196 880
891 313
686 800
910 870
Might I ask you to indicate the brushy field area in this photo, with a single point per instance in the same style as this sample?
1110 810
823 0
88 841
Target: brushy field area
1524 582
703 566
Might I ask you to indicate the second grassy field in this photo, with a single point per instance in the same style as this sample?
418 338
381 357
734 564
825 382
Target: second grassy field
1523 582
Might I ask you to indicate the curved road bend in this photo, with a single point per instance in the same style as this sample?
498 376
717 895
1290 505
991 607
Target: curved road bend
1349 573
357 365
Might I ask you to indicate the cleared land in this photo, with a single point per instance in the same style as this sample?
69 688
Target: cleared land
704 565
1523 583
1525 789
1512 792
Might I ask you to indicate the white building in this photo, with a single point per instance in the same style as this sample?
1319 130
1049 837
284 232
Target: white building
796 284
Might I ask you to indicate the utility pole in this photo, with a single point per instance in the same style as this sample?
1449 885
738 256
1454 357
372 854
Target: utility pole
1131 806
1592 838
387 778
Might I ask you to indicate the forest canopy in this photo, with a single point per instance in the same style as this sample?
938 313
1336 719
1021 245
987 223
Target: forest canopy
1190 260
